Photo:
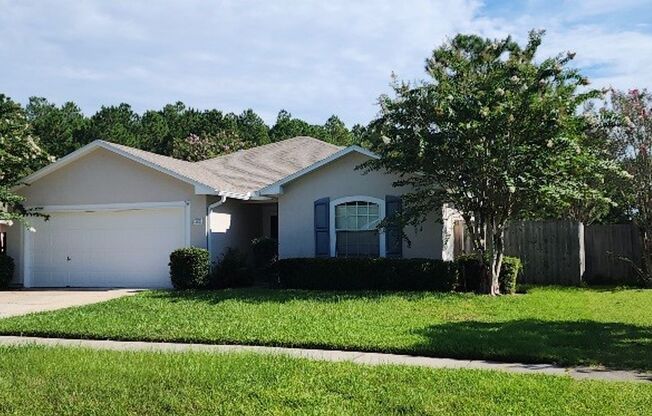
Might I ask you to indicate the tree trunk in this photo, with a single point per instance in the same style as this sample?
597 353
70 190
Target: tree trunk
495 251
497 260
488 242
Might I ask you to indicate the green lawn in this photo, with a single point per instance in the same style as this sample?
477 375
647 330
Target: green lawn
569 326
57 381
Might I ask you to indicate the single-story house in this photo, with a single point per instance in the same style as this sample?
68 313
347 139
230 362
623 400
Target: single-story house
116 212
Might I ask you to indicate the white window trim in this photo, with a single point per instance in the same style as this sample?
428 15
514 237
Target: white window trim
363 198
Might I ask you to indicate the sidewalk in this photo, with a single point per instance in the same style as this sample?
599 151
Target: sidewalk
368 358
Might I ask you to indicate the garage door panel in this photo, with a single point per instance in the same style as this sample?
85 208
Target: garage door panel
106 248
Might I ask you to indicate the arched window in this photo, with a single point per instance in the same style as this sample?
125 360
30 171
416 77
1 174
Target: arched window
355 227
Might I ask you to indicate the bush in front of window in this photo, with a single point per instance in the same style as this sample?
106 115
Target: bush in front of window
7 267
367 274
232 270
189 268
470 270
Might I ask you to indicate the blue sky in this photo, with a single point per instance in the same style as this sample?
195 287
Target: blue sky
312 58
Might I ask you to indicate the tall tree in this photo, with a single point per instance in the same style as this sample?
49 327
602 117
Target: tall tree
20 154
335 132
155 132
59 129
287 127
116 124
494 133
252 128
626 120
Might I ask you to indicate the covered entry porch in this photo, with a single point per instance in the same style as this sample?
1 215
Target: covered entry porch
234 223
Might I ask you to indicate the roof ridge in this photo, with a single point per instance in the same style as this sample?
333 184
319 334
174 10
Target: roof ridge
266 145
262 146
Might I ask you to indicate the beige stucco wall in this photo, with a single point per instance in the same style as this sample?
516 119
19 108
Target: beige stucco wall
103 177
335 180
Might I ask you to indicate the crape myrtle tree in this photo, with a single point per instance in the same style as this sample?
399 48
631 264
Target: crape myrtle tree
20 154
626 121
494 133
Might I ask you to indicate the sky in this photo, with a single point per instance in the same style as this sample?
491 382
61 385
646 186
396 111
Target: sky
311 58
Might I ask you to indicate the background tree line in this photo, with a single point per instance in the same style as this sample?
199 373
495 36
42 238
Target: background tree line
175 130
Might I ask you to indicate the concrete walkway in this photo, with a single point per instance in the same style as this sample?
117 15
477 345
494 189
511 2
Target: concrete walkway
334 355
21 302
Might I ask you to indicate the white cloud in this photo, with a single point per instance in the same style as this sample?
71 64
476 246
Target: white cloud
312 58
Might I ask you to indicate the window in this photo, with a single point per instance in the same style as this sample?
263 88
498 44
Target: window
3 242
355 229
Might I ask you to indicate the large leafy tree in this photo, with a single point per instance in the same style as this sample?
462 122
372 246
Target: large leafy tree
626 122
20 154
494 133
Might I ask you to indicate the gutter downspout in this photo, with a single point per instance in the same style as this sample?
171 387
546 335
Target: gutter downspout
209 210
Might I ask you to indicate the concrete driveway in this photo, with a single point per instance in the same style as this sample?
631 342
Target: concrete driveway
21 302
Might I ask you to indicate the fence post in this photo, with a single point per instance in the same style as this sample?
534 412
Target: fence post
582 252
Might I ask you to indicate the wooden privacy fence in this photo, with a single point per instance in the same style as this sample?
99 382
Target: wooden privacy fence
566 252
551 251
606 247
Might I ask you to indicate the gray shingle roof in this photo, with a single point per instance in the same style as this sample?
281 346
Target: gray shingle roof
247 170
253 169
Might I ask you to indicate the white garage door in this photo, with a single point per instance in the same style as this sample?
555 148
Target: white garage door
127 248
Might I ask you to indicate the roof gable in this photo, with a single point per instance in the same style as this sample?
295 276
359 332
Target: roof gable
277 187
179 169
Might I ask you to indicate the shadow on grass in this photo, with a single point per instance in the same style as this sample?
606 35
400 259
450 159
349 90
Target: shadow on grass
614 345
260 296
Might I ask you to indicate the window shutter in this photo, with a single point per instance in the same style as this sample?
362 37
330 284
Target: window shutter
393 234
322 228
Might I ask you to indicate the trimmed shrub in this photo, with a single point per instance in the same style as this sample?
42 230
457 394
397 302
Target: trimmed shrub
7 267
232 270
189 268
509 272
367 274
470 270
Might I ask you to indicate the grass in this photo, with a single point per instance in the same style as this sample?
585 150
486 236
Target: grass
47 381
568 326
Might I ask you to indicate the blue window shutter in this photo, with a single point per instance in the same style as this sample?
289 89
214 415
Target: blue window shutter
393 234
322 228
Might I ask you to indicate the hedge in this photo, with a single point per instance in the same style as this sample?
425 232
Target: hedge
189 268
6 270
367 274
